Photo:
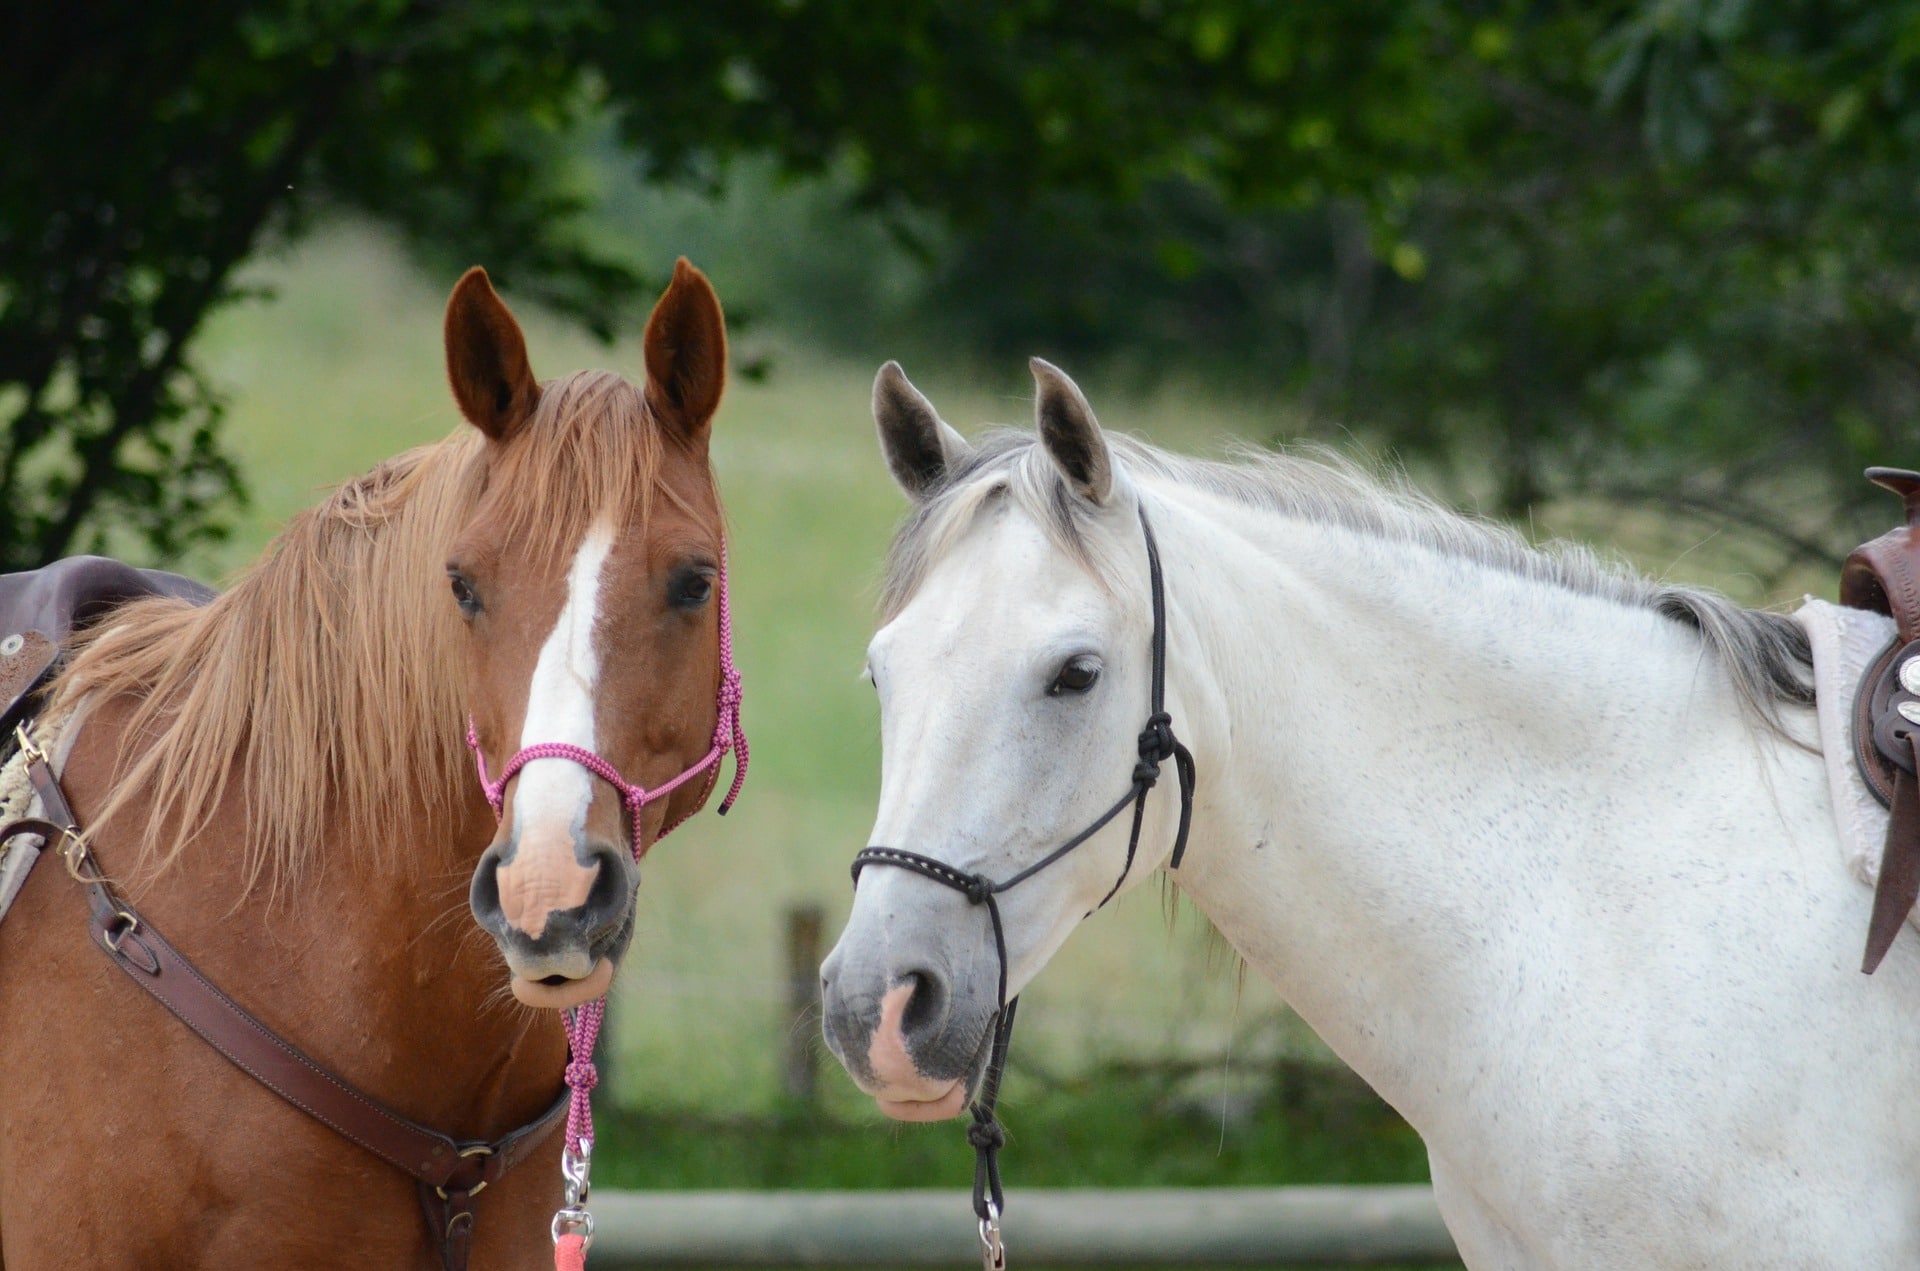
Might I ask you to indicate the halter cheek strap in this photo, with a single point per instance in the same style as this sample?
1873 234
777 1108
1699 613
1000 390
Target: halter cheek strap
1157 745
573 1225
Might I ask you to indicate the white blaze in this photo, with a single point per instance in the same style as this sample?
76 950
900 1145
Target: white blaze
560 699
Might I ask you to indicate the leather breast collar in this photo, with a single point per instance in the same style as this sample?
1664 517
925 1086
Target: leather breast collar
449 1173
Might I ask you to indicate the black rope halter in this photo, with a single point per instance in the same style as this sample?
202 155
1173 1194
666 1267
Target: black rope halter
1157 745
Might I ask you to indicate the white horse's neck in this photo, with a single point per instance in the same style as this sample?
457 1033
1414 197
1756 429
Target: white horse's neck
1429 789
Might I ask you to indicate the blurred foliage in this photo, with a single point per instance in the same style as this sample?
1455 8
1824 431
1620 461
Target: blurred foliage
155 148
1657 251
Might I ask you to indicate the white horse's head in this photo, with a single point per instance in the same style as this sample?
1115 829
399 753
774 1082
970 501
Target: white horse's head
1013 672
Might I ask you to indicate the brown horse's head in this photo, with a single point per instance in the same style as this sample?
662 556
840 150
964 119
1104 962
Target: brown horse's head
588 576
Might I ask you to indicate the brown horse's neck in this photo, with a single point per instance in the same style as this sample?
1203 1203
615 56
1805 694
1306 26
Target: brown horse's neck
373 967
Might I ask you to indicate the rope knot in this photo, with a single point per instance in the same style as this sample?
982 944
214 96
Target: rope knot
1157 743
977 888
986 1136
582 1076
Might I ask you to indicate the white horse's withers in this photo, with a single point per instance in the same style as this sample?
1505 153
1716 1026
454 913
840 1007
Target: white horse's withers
1539 848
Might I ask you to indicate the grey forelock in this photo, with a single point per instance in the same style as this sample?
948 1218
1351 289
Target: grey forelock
1765 654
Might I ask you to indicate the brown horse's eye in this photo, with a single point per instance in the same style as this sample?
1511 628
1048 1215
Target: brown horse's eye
464 595
690 590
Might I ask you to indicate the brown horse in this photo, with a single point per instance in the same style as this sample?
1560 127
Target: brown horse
279 780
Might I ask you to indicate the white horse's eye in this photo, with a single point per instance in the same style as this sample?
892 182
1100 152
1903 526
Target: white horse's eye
1077 676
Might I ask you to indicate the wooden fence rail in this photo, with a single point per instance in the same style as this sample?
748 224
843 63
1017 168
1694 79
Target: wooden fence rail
1151 1227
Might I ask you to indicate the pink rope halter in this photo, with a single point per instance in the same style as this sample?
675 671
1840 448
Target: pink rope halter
583 1022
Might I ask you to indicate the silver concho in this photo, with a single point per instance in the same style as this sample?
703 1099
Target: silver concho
1910 675
1909 711
12 645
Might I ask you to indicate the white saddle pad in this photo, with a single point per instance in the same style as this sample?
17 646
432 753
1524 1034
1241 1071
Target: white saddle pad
18 800
1844 641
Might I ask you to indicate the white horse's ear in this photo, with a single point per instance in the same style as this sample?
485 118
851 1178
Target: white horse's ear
1070 432
920 448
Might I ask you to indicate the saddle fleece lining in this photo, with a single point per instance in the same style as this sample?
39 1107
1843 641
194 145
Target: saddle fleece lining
17 800
1844 641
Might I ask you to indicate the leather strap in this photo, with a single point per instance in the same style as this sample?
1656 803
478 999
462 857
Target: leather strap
450 1217
1886 745
450 1172
1899 887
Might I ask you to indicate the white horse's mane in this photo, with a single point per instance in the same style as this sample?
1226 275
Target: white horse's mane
1765 654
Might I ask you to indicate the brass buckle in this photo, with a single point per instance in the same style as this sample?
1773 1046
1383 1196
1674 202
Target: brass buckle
28 747
478 1149
122 925
78 859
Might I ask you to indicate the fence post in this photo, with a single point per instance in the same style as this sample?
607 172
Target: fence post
804 924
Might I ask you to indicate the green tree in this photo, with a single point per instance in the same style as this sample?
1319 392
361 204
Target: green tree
1661 253
156 148
1658 250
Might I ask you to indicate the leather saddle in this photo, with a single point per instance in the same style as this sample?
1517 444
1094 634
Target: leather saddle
1884 576
41 608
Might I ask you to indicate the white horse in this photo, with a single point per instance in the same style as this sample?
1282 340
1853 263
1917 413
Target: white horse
1542 849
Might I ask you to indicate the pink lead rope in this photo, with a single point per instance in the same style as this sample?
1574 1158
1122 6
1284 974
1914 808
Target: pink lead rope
573 1225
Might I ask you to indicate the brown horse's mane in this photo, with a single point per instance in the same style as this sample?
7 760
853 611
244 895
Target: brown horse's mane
326 681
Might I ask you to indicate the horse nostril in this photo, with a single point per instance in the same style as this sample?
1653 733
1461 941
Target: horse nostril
484 896
615 878
926 1006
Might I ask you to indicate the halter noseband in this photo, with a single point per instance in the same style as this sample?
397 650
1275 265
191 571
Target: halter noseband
1157 745
583 1021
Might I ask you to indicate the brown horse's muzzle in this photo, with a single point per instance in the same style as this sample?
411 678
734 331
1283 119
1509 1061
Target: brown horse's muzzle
562 914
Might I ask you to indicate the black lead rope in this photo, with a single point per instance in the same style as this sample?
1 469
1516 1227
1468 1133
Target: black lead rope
1157 745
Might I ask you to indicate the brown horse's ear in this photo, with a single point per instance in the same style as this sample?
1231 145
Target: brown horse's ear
686 347
1070 433
487 359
